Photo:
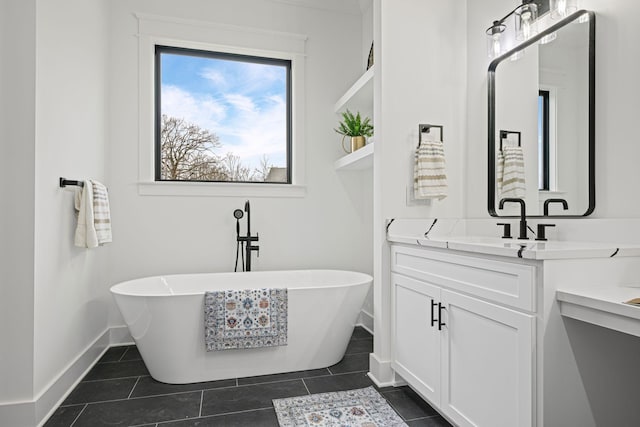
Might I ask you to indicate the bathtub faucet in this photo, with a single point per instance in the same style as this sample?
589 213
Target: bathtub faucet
245 243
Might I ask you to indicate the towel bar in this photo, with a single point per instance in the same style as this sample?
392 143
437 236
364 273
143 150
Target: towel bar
64 182
422 128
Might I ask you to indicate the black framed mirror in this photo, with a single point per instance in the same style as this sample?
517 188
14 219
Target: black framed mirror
541 122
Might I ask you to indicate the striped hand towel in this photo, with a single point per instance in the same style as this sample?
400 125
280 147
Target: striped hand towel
499 172
94 216
513 184
429 178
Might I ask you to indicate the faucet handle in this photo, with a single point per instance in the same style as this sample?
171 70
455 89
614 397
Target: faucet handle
540 235
506 232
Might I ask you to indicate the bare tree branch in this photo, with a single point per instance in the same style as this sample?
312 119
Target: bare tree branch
187 152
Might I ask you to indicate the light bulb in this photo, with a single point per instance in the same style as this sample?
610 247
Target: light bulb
525 21
563 8
495 46
526 26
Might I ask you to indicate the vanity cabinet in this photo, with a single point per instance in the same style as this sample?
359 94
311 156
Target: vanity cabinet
464 334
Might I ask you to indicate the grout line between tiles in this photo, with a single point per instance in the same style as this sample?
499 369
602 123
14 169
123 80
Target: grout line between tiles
201 400
79 413
133 388
421 418
193 391
137 398
125 352
161 423
305 386
111 379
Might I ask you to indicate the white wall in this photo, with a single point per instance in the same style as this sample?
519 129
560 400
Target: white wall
328 228
422 72
71 287
54 297
420 78
617 107
17 119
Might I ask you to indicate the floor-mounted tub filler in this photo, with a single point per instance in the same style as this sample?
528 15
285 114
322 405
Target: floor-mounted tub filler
165 315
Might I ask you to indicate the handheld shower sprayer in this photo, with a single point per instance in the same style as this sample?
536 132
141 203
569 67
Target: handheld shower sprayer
238 214
242 240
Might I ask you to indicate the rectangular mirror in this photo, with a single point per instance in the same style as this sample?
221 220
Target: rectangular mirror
542 122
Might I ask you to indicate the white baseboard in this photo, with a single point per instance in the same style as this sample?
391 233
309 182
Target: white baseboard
36 412
119 335
380 372
365 319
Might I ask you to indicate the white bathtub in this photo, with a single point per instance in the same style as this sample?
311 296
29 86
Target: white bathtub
166 319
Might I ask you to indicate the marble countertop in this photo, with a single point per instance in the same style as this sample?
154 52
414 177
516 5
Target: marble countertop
527 249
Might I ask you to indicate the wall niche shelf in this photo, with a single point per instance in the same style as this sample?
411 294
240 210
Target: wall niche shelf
358 98
358 160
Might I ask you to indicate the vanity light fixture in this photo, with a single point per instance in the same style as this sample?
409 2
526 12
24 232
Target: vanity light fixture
526 16
525 25
563 8
494 36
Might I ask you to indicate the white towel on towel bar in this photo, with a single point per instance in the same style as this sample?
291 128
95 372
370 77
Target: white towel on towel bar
429 178
94 216
512 181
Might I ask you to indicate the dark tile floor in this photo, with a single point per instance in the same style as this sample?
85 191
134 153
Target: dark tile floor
118 391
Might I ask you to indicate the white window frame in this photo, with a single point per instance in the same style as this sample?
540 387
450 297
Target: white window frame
155 30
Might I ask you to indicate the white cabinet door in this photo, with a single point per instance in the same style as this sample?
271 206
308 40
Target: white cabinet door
416 341
487 363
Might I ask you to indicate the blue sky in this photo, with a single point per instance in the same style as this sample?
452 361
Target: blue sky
243 103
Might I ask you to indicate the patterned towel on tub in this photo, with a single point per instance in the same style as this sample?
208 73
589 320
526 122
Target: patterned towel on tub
249 318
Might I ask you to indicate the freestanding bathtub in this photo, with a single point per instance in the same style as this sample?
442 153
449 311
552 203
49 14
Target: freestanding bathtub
166 319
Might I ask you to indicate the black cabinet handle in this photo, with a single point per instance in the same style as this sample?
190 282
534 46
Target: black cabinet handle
433 312
440 322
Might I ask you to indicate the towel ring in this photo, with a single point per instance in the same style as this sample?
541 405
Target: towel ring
504 134
423 128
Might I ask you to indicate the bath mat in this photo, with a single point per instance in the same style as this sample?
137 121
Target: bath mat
248 318
363 407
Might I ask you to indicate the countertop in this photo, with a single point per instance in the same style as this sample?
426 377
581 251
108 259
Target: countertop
602 306
527 249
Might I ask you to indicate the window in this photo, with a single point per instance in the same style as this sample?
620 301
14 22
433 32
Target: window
222 117
544 144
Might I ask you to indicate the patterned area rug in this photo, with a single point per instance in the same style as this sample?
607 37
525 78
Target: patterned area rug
248 318
353 408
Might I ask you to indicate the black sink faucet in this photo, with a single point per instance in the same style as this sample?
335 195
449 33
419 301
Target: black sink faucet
523 214
247 240
545 208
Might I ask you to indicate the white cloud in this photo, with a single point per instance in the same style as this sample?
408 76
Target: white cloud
204 111
260 132
241 102
215 77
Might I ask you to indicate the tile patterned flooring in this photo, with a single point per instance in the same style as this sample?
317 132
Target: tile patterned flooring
118 391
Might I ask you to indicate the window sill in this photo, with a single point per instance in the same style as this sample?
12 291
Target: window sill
215 189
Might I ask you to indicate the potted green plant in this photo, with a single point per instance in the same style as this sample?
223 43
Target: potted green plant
355 127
